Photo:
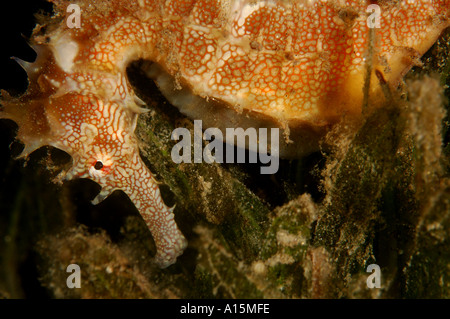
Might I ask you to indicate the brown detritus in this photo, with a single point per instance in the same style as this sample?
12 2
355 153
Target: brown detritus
105 271
425 114
319 271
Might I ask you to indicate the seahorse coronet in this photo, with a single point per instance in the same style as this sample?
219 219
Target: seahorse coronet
299 65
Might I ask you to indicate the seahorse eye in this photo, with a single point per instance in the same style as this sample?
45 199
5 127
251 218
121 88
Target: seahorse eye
98 165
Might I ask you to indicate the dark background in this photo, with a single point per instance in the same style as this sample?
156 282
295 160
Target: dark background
17 21
19 212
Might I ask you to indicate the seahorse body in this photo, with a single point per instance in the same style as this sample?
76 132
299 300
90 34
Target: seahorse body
299 65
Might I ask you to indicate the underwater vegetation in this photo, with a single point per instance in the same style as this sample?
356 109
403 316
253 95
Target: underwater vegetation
376 192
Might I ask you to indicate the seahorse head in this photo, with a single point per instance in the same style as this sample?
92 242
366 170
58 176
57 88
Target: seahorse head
92 115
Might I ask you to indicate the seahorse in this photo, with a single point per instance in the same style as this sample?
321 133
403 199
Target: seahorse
301 65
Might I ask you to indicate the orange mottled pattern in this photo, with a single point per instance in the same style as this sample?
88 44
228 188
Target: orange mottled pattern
291 60
299 62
